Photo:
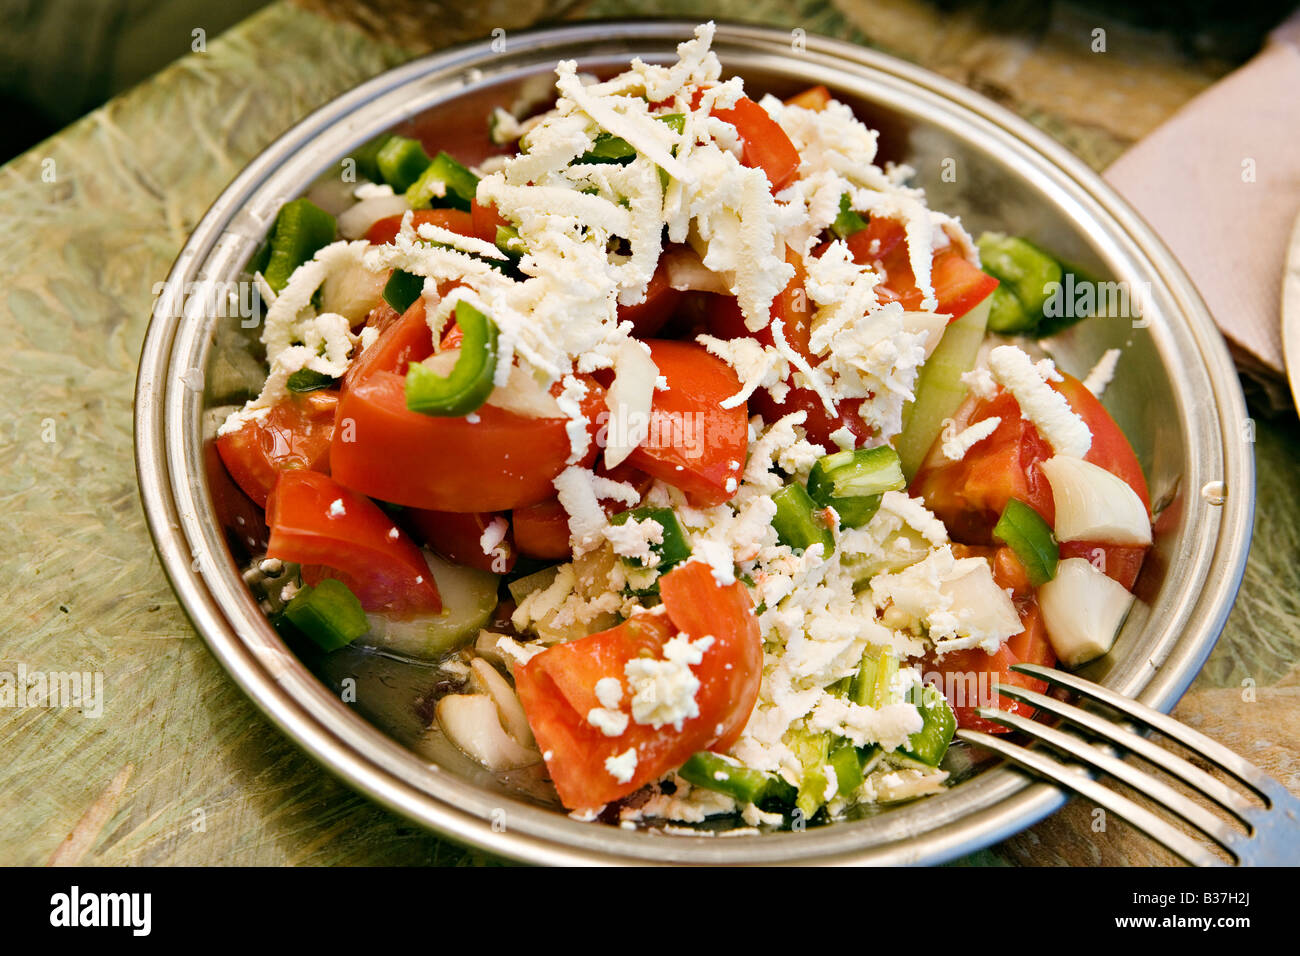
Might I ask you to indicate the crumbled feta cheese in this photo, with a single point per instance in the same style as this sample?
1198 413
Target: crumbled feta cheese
336 509
1044 407
956 446
1102 373
623 766
663 691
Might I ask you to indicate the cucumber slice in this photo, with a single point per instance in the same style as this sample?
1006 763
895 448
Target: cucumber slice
469 597
939 388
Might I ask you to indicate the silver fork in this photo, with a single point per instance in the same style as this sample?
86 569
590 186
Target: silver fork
1254 834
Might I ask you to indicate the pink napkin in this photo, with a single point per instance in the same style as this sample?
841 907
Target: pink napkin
1220 182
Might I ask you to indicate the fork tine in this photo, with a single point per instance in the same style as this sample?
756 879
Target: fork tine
1190 850
1215 827
1196 778
1211 750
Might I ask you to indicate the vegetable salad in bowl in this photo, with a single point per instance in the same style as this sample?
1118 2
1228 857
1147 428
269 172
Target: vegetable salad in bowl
713 472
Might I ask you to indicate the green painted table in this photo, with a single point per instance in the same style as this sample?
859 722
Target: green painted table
179 768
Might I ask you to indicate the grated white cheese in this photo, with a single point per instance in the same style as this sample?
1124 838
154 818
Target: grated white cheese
1102 373
1044 407
956 445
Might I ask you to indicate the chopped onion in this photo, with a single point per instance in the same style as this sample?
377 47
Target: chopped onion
522 395
1094 505
688 273
472 723
629 399
352 291
356 222
931 323
982 609
1082 611
508 706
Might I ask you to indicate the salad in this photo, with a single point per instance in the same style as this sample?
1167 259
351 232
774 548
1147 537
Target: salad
713 472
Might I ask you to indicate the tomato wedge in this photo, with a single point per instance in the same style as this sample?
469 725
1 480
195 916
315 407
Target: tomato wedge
726 321
384 231
495 462
336 533
294 433
661 300
542 530
694 444
958 285
815 98
458 537
969 495
557 688
763 143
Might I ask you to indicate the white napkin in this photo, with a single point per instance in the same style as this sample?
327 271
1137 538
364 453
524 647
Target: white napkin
1220 182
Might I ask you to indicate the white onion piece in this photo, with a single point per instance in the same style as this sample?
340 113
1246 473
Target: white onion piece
356 222
688 273
1082 611
629 399
931 323
352 291
522 395
509 709
472 723
1094 505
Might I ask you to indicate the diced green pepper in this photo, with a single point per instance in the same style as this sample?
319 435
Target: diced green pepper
852 482
402 289
508 241
1007 314
444 182
874 684
367 157
796 525
848 221
1030 537
673 549
609 148
930 743
401 161
328 613
1026 273
469 383
743 784
300 229
307 380
846 760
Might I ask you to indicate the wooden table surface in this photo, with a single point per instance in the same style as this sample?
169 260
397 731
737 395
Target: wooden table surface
180 768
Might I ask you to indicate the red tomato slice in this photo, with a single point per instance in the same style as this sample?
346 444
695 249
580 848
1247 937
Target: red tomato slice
557 688
694 444
726 321
402 340
969 495
457 536
498 462
385 230
763 143
958 285
542 530
484 220
295 433
661 299
815 98
337 533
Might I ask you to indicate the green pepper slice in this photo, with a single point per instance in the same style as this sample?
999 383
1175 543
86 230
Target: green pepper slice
1028 535
469 383
300 229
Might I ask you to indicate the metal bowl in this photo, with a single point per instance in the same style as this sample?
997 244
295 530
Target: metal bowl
1176 396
